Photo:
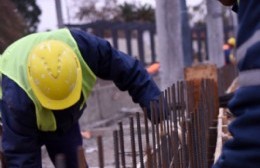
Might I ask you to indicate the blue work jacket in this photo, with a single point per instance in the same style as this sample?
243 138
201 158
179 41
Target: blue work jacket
243 150
107 63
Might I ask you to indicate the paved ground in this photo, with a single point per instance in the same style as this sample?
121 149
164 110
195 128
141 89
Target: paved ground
105 129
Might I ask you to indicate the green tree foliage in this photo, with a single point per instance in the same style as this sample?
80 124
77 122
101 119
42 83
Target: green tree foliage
133 12
12 25
146 13
91 11
30 12
127 12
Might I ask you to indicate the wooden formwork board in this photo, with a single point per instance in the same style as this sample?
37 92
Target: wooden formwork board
203 71
219 135
196 74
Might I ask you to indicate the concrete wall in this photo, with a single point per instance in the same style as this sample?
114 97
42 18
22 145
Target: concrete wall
107 103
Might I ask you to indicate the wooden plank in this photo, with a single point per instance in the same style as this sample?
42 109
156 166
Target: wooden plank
202 71
196 73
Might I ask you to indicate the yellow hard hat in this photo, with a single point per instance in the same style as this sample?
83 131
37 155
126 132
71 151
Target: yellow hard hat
232 41
54 74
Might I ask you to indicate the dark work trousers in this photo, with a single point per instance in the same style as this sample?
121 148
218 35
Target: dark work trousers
65 143
22 140
24 151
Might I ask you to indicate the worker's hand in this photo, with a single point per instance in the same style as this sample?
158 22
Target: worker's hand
153 68
228 2
86 134
157 112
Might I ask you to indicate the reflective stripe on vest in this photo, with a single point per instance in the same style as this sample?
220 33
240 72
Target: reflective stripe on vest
248 77
16 56
241 51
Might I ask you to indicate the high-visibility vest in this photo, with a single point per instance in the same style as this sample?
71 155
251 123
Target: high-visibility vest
13 64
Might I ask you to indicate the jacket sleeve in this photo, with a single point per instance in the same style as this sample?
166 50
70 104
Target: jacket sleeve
126 72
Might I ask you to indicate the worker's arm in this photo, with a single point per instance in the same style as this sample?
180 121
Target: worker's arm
126 72
19 126
244 147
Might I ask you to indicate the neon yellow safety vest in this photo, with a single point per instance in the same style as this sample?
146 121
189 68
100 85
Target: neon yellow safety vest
13 64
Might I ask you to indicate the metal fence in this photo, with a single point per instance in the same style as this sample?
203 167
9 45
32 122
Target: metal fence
186 137
127 31
144 35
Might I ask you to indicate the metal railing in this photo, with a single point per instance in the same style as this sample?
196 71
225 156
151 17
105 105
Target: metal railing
184 139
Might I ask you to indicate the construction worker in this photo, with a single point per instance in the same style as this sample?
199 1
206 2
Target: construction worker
229 51
243 150
46 80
